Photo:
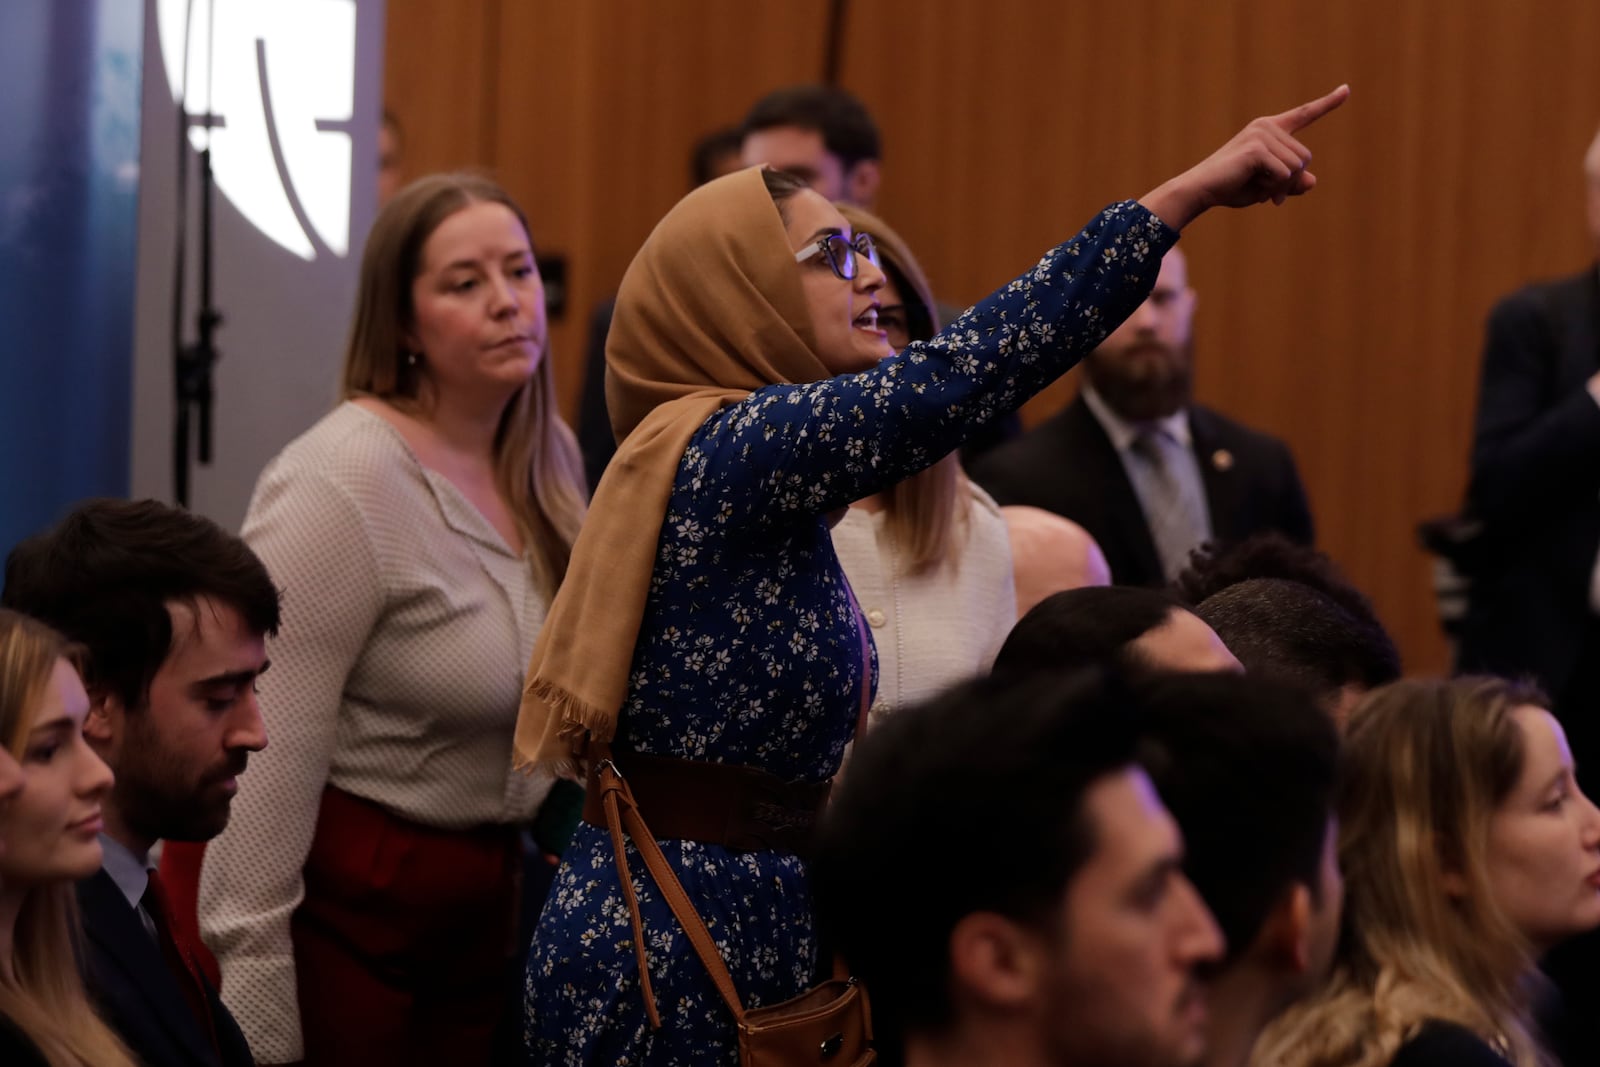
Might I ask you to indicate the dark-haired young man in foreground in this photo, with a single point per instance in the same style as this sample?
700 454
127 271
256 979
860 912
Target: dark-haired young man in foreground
1071 938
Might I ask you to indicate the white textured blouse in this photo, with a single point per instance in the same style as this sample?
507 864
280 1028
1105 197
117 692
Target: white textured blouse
935 628
396 677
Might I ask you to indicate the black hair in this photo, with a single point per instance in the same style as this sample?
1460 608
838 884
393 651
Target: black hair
1004 761
919 316
1285 629
1270 554
1084 627
105 575
1248 767
709 149
782 186
847 130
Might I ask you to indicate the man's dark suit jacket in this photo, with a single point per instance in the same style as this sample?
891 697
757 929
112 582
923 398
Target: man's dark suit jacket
138 996
1068 465
1536 484
15 1048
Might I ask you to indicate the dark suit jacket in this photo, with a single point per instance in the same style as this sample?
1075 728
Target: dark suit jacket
16 1050
138 996
1536 483
1447 1045
1068 465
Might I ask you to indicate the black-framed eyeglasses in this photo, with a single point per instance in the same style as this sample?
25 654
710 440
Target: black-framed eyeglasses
841 252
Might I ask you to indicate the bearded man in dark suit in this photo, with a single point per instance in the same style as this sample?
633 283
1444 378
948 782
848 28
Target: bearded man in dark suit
1149 473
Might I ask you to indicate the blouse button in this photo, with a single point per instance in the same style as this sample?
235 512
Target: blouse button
876 618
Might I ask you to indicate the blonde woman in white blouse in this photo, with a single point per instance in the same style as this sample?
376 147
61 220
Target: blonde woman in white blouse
930 559
362 902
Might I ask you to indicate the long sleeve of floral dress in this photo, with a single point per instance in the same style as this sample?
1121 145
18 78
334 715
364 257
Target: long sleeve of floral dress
749 652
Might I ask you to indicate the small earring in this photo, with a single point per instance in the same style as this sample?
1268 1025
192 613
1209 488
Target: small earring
412 358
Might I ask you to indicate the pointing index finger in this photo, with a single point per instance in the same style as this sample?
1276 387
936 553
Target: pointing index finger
1298 118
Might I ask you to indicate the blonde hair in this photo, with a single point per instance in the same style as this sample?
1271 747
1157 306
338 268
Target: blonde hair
44 998
1427 763
537 464
925 515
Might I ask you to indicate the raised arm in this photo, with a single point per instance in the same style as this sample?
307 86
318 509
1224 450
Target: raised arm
811 448
793 450
1264 161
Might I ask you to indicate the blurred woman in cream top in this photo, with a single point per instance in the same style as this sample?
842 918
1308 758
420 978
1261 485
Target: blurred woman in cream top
362 903
929 559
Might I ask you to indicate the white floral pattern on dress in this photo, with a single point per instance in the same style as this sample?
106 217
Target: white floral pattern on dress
748 652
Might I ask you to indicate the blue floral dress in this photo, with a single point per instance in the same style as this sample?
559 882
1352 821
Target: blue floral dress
749 654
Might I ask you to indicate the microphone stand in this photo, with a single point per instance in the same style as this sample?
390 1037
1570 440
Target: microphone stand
195 362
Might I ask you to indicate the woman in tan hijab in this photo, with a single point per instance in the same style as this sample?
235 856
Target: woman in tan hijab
705 632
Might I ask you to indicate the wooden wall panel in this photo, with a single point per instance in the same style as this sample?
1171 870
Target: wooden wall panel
1348 323
439 80
603 102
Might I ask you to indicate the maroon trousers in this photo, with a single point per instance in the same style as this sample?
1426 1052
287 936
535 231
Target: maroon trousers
405 944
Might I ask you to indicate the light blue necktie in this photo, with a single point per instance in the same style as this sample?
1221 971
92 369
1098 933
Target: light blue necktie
1174 503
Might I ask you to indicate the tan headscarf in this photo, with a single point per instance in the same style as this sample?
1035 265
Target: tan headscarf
710 310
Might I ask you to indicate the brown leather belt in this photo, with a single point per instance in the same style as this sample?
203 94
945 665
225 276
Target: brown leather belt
739 808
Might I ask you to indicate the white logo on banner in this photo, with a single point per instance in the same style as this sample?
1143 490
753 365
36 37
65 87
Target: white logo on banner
282 82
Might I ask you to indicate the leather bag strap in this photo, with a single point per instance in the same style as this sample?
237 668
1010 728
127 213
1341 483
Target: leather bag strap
623 818
622 814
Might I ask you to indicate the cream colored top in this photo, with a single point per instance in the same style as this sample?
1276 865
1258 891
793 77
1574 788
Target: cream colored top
939 627
396 677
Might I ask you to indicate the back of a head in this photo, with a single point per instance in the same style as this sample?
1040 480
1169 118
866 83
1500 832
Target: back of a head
1270 554
1082 628
847 128
105 575
1050 554
1248 768
1284 629
947 772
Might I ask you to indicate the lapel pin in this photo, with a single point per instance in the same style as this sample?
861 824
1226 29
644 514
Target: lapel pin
1222 459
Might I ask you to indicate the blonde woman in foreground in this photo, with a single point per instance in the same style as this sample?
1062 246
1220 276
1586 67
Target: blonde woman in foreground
49 826
1468 851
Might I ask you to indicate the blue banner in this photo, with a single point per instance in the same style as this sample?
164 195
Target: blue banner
69 176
